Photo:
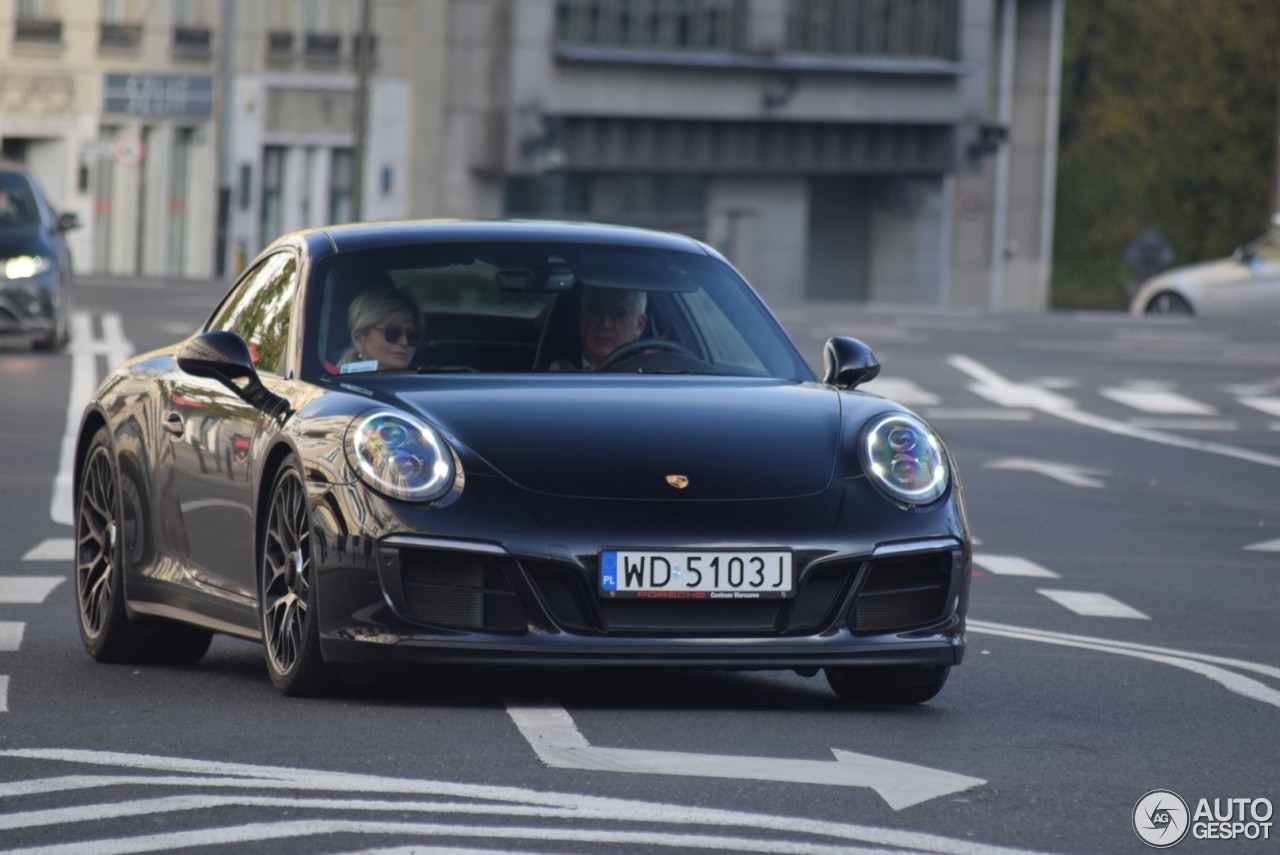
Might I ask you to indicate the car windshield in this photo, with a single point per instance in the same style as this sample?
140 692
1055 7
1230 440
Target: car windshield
17 207
537 307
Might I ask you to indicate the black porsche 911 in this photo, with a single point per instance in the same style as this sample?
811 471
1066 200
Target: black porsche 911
479 475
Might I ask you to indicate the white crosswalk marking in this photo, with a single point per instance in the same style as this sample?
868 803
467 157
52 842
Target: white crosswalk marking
1010 565
27 589
53 549
1090 604
11 635
1153 399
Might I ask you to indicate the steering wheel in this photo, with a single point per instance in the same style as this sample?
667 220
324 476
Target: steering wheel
639 346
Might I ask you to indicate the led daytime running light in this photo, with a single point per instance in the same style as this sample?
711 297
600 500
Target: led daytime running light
400 456
905 459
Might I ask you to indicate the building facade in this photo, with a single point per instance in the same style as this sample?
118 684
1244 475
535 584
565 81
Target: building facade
896 151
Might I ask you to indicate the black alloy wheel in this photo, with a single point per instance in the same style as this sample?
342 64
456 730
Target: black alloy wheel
288 592
105 628
887 684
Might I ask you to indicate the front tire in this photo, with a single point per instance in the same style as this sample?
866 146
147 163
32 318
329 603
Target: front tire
105 629
1169 303
887 684
287 596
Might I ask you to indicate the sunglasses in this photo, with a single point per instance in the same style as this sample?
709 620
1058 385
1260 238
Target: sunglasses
393 335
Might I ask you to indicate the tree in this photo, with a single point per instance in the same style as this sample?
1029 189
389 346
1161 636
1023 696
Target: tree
1169 120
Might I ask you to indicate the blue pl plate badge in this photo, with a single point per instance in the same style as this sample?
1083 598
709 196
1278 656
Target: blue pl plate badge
609 571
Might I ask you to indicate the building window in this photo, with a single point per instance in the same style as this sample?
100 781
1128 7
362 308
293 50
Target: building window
673 203
33 26
882 28
701 25
272 187
341 184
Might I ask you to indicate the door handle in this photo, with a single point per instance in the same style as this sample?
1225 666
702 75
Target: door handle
173 424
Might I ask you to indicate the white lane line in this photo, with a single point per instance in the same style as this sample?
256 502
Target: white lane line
1197 663
1151 399
1010 565
1265 546
1090 604
1270 406
4 692
997 389
526 801
53 549
901 391
1067 473
1185 424
27 589
11 635
243 835
976 414
85 350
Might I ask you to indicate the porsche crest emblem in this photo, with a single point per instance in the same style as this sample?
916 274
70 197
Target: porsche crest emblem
678 481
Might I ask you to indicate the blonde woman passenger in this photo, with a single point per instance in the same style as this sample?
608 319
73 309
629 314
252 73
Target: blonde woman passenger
386 327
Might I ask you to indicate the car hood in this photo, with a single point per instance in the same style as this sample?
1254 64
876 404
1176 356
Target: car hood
23 240
1205 273
629 437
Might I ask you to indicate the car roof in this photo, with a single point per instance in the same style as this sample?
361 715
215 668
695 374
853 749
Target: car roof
359 236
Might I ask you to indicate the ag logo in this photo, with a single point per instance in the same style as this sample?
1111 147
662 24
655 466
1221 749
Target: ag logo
1160 818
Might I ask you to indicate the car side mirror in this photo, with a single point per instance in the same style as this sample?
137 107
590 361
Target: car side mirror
848 362
68 220
224 356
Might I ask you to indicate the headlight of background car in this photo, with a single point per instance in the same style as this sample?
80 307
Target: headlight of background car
26 266
904 458
400 456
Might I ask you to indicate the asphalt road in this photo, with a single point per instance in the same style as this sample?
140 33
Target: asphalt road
1123 484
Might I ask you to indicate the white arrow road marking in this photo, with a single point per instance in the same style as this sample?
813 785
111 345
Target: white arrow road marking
53 549
1265 546
1010 565
558 743
1198 663
993 387
85 350
1090 604
27 589
1067 473
479 799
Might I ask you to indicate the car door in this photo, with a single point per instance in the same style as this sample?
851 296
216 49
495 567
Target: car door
215 436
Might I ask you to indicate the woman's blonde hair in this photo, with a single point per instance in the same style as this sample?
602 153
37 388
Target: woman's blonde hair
378 307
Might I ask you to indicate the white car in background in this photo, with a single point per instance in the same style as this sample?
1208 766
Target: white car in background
1245 285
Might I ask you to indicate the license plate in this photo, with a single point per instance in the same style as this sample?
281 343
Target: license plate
696 575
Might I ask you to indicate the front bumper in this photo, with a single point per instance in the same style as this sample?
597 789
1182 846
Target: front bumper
896 595
28 305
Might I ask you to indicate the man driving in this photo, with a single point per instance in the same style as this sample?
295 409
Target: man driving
611 317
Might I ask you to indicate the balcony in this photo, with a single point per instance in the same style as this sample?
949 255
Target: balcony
38 31
119 37
323 48
192 42
280 46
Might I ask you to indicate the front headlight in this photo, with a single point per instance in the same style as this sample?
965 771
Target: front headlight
904 458
400 456
26 266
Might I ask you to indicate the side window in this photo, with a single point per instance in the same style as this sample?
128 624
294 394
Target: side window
260 309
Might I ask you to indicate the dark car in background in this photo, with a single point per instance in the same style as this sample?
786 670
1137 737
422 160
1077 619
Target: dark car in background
36 279
699 499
